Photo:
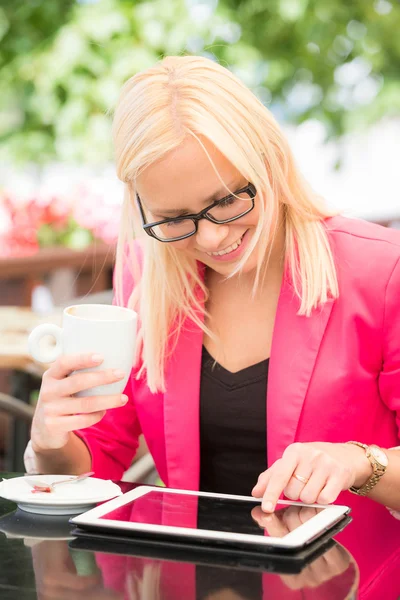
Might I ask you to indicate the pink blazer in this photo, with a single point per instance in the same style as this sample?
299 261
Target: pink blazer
333 376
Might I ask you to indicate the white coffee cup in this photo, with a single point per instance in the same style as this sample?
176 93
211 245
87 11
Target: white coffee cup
91 329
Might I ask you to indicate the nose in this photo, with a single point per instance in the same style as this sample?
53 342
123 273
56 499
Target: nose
210 236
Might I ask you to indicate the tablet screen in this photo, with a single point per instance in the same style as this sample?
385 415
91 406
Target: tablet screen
211 513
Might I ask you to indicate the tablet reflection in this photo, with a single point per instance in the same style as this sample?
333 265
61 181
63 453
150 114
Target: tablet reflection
332 576
282 522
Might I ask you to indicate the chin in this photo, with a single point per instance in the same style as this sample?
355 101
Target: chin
228 268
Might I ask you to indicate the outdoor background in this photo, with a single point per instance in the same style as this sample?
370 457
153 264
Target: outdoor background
327 69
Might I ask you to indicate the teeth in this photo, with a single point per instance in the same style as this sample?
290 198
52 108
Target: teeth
227 250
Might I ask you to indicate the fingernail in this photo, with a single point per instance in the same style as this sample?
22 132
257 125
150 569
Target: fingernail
119 373
268 506
97 358
124 399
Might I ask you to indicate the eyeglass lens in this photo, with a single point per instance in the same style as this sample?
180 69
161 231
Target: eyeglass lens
232 207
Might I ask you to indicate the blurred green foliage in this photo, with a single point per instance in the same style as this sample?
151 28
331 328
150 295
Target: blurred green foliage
339 61
72 235
62 62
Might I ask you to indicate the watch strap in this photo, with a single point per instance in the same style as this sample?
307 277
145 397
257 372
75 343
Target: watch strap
375 477
365 446
368 486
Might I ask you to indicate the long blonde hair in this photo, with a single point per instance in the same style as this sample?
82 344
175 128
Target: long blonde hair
194 96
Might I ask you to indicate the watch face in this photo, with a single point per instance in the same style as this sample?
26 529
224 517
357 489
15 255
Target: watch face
379 455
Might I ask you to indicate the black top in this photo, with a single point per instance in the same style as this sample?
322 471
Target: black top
233 440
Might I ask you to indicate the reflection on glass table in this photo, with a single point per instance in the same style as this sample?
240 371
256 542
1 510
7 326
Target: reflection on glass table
59 573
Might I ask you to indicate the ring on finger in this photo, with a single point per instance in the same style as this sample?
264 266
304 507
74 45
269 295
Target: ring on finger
300 478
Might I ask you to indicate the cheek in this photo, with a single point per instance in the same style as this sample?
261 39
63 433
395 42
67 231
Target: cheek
183 245
254 215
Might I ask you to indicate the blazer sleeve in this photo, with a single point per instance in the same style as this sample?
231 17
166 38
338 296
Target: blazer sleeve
389 379
113 441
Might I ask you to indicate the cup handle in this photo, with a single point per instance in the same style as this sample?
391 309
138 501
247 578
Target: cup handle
50 355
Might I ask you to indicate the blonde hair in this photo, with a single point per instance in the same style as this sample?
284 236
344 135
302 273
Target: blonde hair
158 109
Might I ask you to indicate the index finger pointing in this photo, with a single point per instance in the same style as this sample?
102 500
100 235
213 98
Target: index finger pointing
65 365
278 480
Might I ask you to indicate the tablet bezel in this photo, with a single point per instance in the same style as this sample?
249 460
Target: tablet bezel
298 538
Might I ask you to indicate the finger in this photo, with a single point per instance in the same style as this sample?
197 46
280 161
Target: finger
282 471
272 523
338 559
88 404
291 517
261 484
331 490
75 422
295 487
316 483
258 516
307 512
295 516
65 365
296 582
89 379
319 573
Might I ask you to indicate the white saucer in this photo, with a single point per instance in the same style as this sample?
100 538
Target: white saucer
66 499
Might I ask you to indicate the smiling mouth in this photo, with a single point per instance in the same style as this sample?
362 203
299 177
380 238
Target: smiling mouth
227 250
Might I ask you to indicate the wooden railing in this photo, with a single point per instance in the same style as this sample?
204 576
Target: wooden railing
92 270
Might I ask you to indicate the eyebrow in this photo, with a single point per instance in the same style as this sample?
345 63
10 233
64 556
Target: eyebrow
180 212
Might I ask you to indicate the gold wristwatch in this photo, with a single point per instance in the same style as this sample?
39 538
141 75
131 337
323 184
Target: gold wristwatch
379 462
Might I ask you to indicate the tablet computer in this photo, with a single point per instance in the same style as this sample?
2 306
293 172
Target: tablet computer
216 519
247 559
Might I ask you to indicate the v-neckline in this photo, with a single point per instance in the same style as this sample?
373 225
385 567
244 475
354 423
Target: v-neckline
252 371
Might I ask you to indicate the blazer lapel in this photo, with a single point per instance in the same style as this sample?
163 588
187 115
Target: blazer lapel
295 345
181 409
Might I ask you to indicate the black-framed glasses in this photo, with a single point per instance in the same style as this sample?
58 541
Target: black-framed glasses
228 209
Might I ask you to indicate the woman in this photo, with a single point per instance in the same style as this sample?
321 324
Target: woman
247 288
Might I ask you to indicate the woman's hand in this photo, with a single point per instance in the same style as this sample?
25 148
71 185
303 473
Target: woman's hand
58 412
313 472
